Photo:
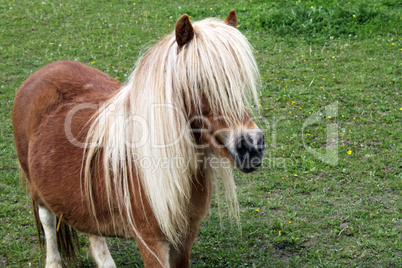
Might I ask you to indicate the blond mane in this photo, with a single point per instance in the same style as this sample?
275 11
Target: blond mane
147 122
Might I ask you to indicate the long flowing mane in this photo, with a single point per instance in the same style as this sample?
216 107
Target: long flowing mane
143 131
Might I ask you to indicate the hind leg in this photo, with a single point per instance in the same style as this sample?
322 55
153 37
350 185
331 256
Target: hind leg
100 252
48 220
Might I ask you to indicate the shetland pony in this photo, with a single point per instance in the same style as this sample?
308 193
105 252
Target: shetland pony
139 160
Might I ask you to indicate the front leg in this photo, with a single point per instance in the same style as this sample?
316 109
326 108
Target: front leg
160 253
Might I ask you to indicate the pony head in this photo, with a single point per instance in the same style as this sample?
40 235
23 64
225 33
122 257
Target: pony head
218 74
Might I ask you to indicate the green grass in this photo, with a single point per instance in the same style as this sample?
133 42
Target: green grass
312 55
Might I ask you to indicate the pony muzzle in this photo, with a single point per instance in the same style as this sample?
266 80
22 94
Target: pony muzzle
247 150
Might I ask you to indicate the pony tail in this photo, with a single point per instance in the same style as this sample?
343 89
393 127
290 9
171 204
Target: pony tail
68 243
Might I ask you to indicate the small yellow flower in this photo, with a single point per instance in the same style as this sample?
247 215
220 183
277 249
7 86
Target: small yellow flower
283 178
93 62
349 152
290 222
290 112
312 6
393 44
211 8
267 109
355 118
257 210
300 108
308 134
293 102
296 175
323 79
329 117
354 16
280 233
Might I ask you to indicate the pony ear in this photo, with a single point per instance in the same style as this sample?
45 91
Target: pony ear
231 19
184 31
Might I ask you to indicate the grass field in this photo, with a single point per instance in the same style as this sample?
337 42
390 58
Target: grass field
329 193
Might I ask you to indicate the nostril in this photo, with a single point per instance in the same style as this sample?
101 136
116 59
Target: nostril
242 146
261 143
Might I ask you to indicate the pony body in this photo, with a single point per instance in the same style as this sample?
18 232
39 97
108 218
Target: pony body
133 161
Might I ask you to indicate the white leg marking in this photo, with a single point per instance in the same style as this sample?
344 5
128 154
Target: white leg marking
166 247
100 252
48 220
